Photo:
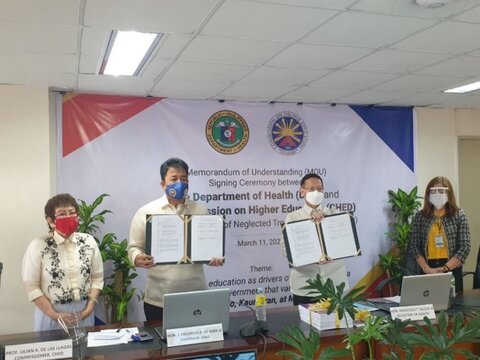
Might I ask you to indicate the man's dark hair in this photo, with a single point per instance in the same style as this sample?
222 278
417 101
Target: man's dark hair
60 200
175 163
309 176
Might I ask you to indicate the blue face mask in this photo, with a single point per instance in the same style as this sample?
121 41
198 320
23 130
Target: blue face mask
177 190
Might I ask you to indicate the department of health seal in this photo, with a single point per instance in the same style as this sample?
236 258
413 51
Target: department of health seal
287 133
227 132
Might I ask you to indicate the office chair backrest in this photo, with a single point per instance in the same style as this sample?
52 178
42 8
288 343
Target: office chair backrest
475 273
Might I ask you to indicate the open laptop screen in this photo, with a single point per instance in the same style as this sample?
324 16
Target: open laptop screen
419 290
196 308
426 289
239 355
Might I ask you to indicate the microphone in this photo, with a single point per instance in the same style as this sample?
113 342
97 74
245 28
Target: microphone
253 327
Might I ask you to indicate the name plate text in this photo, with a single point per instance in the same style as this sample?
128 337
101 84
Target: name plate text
414 313
194 335
49 350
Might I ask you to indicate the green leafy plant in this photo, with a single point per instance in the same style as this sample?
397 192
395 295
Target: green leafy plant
404 206
341 302
116 292
439 342
393 336
372 330
88 220
306 347
391 264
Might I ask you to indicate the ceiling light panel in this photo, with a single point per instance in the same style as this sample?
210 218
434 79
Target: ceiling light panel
127 52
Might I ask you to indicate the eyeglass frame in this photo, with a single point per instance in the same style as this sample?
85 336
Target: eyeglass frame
66 213
310 189
438 190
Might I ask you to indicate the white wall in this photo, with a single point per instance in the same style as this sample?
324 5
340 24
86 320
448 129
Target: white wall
467 122
436 146
27 177
468 129
25 186
438 131
469 178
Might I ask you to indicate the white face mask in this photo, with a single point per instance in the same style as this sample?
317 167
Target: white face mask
314 197
438 200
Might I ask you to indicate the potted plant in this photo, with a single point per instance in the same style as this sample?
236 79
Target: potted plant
372 330
339 301
394 339
343 303
306 347
116 292
404 206
397 346
443 339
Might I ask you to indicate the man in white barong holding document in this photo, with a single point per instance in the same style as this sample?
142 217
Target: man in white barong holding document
312 190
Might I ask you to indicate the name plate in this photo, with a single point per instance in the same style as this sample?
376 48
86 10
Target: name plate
415 312
59 349
194 335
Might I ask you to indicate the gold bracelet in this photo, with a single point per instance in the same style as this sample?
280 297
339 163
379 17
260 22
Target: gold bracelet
92 299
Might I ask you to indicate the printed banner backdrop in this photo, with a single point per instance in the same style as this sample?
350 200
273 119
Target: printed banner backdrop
246 161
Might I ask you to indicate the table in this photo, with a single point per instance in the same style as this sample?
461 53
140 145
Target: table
266 346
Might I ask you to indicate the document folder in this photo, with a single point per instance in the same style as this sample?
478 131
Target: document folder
187 239
308 241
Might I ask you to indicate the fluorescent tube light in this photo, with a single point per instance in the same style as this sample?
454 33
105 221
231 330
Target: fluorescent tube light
127 52
465 88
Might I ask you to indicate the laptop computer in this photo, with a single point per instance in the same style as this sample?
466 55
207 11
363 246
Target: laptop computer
195 308
420 290
426 289
238 355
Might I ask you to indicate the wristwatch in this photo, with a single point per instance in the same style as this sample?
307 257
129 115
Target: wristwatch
446 268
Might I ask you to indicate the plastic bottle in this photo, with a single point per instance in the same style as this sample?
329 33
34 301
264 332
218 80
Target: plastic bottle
261 305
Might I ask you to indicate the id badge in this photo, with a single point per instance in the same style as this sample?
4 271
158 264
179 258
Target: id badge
439 241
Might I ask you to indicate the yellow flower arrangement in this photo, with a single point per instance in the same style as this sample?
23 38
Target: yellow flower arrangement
362 315
323 304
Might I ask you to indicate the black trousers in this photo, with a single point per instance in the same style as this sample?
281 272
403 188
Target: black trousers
457 272
153 312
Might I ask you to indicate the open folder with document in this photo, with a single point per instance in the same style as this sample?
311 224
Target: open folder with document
176 239
307 241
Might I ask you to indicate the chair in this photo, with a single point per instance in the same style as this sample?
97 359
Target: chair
388 286
476 273
409 267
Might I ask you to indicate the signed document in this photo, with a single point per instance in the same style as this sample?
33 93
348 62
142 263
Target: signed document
166 238
207 237
308 242
175 239
339 236
304 245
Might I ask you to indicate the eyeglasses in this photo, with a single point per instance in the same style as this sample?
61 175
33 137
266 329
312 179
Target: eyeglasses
438 190
66 213
310 189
